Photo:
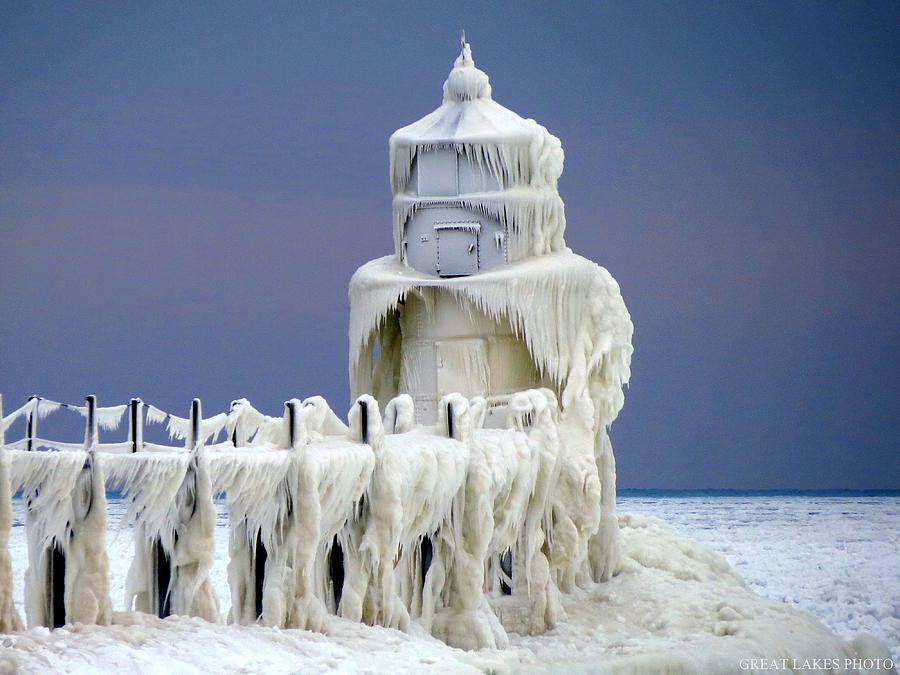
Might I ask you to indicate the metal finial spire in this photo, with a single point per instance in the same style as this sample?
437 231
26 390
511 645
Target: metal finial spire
462 39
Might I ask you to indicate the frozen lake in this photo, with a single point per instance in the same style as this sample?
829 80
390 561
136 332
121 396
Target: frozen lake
837 556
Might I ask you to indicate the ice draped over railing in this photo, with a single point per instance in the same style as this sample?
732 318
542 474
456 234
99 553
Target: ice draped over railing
375 519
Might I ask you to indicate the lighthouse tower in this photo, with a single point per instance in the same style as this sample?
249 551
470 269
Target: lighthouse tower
483 298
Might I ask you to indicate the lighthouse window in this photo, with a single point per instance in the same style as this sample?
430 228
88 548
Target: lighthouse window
440 173
474 178
437 173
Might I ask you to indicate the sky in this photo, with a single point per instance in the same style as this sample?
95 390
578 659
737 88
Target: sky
186 188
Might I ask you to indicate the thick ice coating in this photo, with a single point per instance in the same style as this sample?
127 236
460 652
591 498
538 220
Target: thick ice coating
498 357
482 297
577 331
290 490
66 497
9 617
520 156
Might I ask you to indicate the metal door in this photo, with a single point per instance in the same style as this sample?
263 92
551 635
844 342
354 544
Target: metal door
457 249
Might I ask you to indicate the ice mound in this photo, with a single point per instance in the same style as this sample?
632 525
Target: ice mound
677 607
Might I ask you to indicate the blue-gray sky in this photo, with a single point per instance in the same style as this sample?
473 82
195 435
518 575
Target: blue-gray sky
186 188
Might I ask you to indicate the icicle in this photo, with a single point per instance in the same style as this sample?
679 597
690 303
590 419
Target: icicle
5 422
177 427
87 565
155 415
9 617
107 418
591 327
43 407
190 589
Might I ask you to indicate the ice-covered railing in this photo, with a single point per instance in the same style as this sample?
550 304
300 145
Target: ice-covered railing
376 519
169 492
109 418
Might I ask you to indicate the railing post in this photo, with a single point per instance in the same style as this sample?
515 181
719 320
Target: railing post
196 420
260 555
91 435
56 584
136 424
336 571
235 436
290 411
56 554
31 425
450 429
161 560
364 421
161 566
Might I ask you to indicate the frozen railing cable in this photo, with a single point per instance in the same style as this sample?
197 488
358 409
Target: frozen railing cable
108 418
36 406
243 423
179 427
242 414
43 444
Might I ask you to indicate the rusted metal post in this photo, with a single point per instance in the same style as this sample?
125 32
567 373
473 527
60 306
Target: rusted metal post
506 564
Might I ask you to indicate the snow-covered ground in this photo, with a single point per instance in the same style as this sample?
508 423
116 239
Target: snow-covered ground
836 557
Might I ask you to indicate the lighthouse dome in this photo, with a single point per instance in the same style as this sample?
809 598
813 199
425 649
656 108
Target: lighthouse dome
466 82
520 151
474 163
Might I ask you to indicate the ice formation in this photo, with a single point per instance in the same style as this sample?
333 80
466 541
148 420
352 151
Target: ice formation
66 497
674 607
172 512
424 516
500 511
9 617
417 475
519 154
545 318
498 368
290 489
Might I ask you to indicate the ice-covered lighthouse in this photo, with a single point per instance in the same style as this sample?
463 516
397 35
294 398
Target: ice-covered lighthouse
482 296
